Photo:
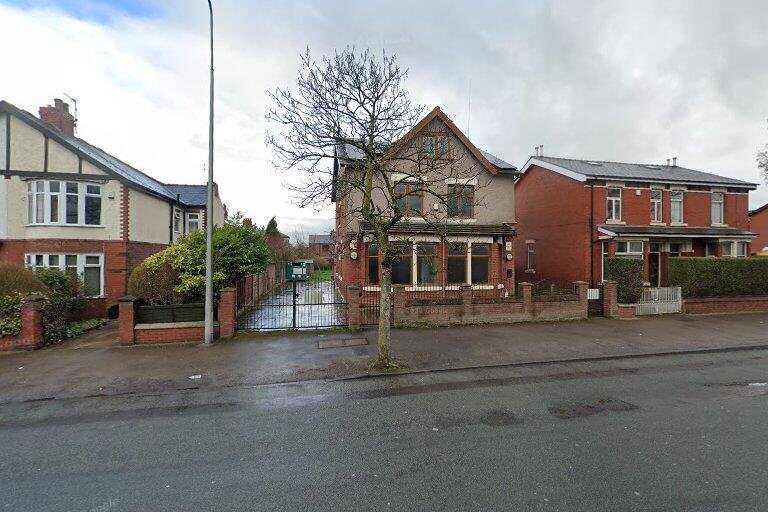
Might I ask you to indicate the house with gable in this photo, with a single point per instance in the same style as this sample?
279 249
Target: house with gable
68 204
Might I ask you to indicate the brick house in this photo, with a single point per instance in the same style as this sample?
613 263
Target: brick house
321 247
472 244
65 203
572 213
758 223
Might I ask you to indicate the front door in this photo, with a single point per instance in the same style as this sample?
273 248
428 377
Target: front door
654 276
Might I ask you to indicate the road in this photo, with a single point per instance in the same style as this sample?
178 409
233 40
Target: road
666 433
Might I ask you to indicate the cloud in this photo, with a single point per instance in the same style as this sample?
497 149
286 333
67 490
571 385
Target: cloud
632 81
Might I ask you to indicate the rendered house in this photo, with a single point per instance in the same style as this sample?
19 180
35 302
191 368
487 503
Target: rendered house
65 203
758 223
573 213
472 243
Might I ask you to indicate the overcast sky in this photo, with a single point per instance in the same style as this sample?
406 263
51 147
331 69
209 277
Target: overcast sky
629 81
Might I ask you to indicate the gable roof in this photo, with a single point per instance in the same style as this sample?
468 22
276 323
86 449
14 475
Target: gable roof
320 239
759 209
98 157
581 170
190 195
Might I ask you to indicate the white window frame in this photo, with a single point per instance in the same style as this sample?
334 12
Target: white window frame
177 220
34 197
657 206
720 204
197 218
30 258
734 252
629 252
672 201
611 204
451 286
530 250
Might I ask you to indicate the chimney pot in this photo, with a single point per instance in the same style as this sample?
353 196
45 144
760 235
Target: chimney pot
667 162
674 161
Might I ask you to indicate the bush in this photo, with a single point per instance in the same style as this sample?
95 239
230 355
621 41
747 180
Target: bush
719 277
10 314
237 251
63 302
19 280
156 285
628 274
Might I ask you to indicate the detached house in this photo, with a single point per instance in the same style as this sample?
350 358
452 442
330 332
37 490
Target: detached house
572 214
67 204
471 243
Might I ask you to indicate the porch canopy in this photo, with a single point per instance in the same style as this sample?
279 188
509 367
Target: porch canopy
622 231
446 229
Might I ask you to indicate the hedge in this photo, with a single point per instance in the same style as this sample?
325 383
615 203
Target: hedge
719 277
628 274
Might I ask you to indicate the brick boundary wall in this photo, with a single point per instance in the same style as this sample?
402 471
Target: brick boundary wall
714 305
31 335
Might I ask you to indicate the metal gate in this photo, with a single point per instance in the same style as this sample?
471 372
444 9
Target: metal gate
594 302
296 305
659 301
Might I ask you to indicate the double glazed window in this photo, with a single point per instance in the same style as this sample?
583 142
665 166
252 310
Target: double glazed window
436 146
408 199
461 199
632 249
402 263
63 202
193 222
733 249
480 263
426 263
457 262
613 204
717 208
176 220
373 263
530 261
676 206
656 212
89 268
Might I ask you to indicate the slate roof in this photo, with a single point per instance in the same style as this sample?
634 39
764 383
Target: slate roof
674 231
607 169
100 158
191 195
320 239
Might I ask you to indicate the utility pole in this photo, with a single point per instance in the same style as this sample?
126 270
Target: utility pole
209 212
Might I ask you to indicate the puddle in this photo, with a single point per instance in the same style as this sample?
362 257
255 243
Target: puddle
500 418
584 409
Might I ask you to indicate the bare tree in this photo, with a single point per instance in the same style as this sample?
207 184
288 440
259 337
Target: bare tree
762 163
355 102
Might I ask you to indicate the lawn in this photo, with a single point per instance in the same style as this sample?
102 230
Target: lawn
321 275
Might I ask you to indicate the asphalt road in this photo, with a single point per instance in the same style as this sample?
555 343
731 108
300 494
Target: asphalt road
673 433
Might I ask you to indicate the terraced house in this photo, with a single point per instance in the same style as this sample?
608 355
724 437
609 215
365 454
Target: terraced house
67 204
572 214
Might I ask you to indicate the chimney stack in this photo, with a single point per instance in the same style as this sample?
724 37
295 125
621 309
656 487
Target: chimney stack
674 161
59 117
667 162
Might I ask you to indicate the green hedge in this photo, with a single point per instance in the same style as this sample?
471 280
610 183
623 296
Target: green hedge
628 274
719 277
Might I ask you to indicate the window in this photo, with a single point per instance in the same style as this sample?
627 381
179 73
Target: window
436 146
480 263
193 222
741 249
717 203
675 249
613 204
633 249
457 262
373 263
426 263
710 249
176 220
461 199
530 261
401 263
89 268
676 206
656 213
60 202
733 249
408 198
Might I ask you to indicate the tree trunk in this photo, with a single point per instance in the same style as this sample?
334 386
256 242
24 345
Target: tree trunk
384 359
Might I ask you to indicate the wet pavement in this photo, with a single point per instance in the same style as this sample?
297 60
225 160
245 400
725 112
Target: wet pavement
97 366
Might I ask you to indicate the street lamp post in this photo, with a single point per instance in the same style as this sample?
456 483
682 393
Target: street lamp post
209 212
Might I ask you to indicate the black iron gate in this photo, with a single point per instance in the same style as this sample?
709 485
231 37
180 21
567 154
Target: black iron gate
297 305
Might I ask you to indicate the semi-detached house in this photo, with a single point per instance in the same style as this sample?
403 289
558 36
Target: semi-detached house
67 204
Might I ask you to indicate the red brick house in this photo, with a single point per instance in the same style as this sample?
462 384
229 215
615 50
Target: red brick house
67 204
572 213
321 247
470 244
758 224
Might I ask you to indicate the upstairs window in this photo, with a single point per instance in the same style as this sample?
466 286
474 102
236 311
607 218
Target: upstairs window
63 202
717 207
676 206
461 200
613 204
656 212
436 146
408 199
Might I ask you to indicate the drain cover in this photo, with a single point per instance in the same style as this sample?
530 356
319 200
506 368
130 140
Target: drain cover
581 410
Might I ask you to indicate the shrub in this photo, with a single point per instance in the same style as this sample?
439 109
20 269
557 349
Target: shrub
63 302
21 280
713 277
156 285
10 314
628 274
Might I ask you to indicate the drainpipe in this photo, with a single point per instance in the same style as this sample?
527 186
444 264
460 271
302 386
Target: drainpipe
591 231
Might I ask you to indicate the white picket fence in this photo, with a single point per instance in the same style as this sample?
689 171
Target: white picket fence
660 301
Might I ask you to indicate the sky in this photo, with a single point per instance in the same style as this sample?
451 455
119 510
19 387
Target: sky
627 81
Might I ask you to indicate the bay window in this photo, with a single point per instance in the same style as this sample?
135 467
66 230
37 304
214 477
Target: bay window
613 204
480 263
63 202
89 268
676 206
717 207
402 255
457 262
426 263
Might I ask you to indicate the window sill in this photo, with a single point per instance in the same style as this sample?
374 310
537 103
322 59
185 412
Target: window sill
615 222
51 225
372 288
719 225
678 224
530 271
655 223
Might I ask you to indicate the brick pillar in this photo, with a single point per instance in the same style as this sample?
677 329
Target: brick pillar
353 307
127 320
31 335
526 290
466 300
581 288
399 304
227 312
610 299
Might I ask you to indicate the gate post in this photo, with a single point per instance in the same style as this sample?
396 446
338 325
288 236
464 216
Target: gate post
227 312
127 320
610 300
581 288
353 306
526 290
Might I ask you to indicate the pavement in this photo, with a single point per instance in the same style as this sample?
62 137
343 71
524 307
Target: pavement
95 365
678 433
